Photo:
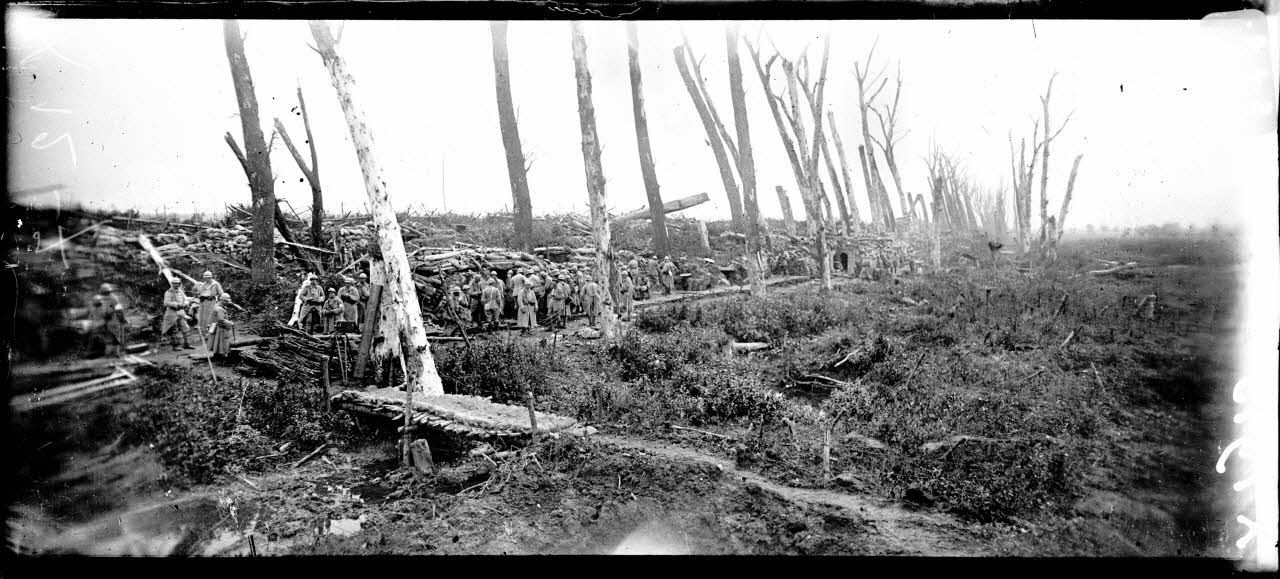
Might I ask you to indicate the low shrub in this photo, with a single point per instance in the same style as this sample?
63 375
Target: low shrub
501 370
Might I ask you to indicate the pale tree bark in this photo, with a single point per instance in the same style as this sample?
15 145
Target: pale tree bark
399 297
877 208
854 215
788 218
595 177
1044 163
312 173
802 153
517 167
262 254
715 133
876 186
756 263
1066 199
764 71
647 171
889 132
835 186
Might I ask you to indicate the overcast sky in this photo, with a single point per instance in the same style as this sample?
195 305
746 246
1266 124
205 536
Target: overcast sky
131 113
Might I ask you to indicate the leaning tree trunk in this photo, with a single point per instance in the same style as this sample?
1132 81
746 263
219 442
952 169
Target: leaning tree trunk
788 218
903 203
877 212
262 254
516 169
312 173
839 191
595 176
713 138
647 172
854 216
746 165
1066 199
399 295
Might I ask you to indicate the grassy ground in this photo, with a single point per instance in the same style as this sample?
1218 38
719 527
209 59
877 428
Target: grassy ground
1100 447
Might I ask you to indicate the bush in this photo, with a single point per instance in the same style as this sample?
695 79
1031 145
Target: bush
750 319
657 357
500 370
199 429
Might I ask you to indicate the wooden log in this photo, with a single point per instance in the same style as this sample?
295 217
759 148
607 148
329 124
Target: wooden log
313 454
668 207
749 346
370 327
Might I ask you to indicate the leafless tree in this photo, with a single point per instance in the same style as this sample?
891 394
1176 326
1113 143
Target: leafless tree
517 165
889 136
801 150
650 175
257 159
866 100
311 173
595 178
717 135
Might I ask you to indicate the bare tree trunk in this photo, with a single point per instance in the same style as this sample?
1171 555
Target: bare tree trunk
647 171
517 170
897 182
714 138
1044 167
788 218
935 237
311 173
595 177
1066 199
746 164
839 191
855 218
877 210
262 254
399 295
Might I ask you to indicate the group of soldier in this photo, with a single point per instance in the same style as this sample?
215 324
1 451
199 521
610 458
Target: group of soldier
549 295
206 307
321 310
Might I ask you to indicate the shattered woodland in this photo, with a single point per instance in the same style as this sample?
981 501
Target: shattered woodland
909 361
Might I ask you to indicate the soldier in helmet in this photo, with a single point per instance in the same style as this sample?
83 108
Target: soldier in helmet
175 315
208 291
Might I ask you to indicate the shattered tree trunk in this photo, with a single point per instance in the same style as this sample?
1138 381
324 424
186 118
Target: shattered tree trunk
399 297
788 218
312 173
657 213
854 216
517 172
756 264
897 181
669 207
713 138
935 238
262 254
595 177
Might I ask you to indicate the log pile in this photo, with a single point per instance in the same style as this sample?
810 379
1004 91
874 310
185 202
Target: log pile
467 416
290 352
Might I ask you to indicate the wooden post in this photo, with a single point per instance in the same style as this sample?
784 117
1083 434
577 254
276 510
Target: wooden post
324 382
371 314
407 439
533 417
704 236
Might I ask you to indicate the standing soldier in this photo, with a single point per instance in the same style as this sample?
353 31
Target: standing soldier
668 271
624 296
220 328
543 288
651 270
363 286
516 283
208 292
312 296
502 292
332 311
471 287
458 307
297 301
556 302
114 325
350 296
527 314
591 301
492 298
175 316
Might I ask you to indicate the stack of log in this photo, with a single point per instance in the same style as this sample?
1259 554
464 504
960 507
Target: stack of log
290 352
470 259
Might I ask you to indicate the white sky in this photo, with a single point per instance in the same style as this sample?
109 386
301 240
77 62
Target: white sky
143 105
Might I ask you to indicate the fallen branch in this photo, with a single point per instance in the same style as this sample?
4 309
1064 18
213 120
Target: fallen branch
314 453
674 427
1110 270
